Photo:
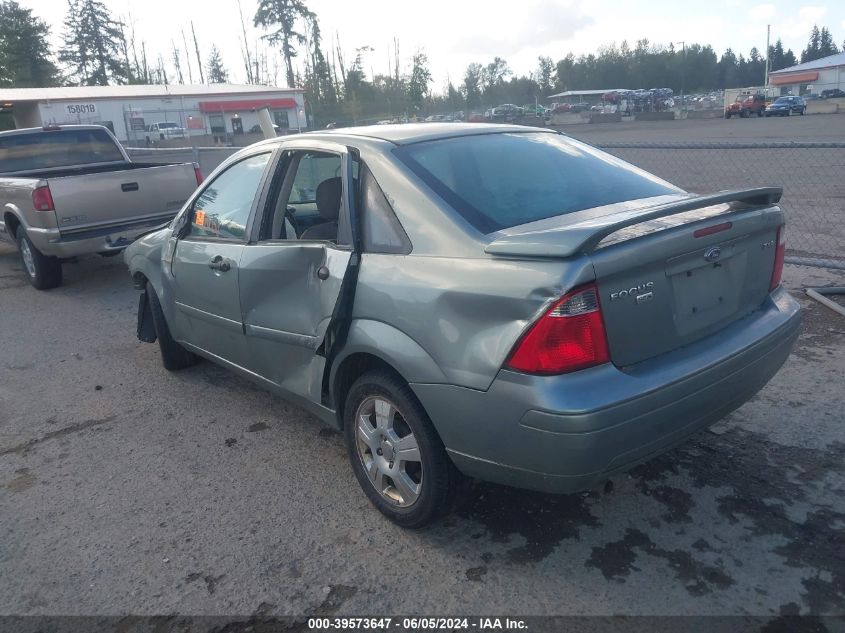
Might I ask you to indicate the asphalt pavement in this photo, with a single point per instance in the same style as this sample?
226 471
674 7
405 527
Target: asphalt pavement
128 489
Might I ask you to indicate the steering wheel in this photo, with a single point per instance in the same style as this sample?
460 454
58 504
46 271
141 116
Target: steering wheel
290 219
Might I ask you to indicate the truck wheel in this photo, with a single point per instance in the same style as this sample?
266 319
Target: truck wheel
173 355
396 454
759 113
43 272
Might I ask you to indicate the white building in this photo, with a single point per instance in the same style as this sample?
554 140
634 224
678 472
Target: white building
826 73
218 111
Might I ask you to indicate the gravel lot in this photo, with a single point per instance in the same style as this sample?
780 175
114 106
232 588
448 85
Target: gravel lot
127 489
821 128
814 191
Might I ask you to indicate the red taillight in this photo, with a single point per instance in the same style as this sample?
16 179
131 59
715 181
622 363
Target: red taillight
198 174
780 252
42 199
568 337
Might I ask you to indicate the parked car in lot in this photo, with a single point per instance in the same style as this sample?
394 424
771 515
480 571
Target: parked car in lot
579 107
746 105
832 93
71 190
506 112
784 106
530 109
493 301
165 130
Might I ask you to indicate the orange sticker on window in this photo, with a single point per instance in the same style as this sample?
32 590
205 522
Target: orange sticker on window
199 217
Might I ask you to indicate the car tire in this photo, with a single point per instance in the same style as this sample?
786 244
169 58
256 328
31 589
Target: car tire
429 482
802 111
759 113
43 272
727 115
173 355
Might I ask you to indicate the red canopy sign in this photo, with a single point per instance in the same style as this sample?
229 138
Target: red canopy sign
247 104
793 78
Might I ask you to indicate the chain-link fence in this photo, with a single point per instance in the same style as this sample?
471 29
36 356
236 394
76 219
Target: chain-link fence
812 176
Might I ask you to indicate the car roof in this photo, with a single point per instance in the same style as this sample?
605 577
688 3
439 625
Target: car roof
407 133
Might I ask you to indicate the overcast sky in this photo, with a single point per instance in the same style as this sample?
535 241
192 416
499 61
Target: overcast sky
455 33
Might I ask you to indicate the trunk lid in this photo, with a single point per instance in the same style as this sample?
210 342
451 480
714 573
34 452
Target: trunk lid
98 200
670 273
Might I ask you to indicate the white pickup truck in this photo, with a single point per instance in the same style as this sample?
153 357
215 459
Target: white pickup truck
164 131
71 190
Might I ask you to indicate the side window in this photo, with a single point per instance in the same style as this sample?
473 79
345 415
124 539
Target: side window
306 200
382 232
222 209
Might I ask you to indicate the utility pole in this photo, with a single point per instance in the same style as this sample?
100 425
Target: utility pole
768 35
683 69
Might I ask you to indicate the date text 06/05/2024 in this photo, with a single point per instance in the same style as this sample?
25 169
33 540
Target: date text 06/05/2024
417 624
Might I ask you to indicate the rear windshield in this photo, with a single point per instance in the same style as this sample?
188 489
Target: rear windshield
496 181
58 148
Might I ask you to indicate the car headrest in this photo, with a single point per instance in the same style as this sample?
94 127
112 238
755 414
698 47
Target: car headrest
328 198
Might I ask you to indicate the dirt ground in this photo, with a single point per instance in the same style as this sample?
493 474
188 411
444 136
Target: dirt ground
128 489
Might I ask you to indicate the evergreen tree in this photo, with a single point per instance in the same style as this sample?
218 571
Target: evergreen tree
471 86
93 45
813 46
24 50
728 70
419 80
545 73
318 79
282 16
827 46
215 71
780 59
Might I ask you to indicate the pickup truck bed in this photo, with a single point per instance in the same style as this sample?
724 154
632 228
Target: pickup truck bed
56 211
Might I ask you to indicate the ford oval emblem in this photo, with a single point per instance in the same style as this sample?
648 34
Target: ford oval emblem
713 254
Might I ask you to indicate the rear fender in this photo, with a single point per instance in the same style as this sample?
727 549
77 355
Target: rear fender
392 346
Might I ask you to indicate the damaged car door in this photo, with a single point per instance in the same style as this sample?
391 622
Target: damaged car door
292 271
207 258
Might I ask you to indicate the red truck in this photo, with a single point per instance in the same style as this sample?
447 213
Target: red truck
746 105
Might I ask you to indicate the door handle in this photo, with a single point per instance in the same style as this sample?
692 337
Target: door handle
323 273
129 186
219 264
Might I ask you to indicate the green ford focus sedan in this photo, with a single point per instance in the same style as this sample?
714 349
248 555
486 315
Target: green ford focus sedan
468 300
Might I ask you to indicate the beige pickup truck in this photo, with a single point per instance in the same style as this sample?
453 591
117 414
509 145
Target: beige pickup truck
71 190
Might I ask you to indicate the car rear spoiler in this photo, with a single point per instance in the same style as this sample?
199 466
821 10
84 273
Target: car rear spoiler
584 236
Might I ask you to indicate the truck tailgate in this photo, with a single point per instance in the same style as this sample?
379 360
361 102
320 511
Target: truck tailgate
98 200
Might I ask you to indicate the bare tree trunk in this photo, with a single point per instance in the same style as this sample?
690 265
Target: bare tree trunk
197 48
187 57
177 63
340 63
144 58
247 58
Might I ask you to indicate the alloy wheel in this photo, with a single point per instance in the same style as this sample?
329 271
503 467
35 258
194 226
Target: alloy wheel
388 451
28 260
